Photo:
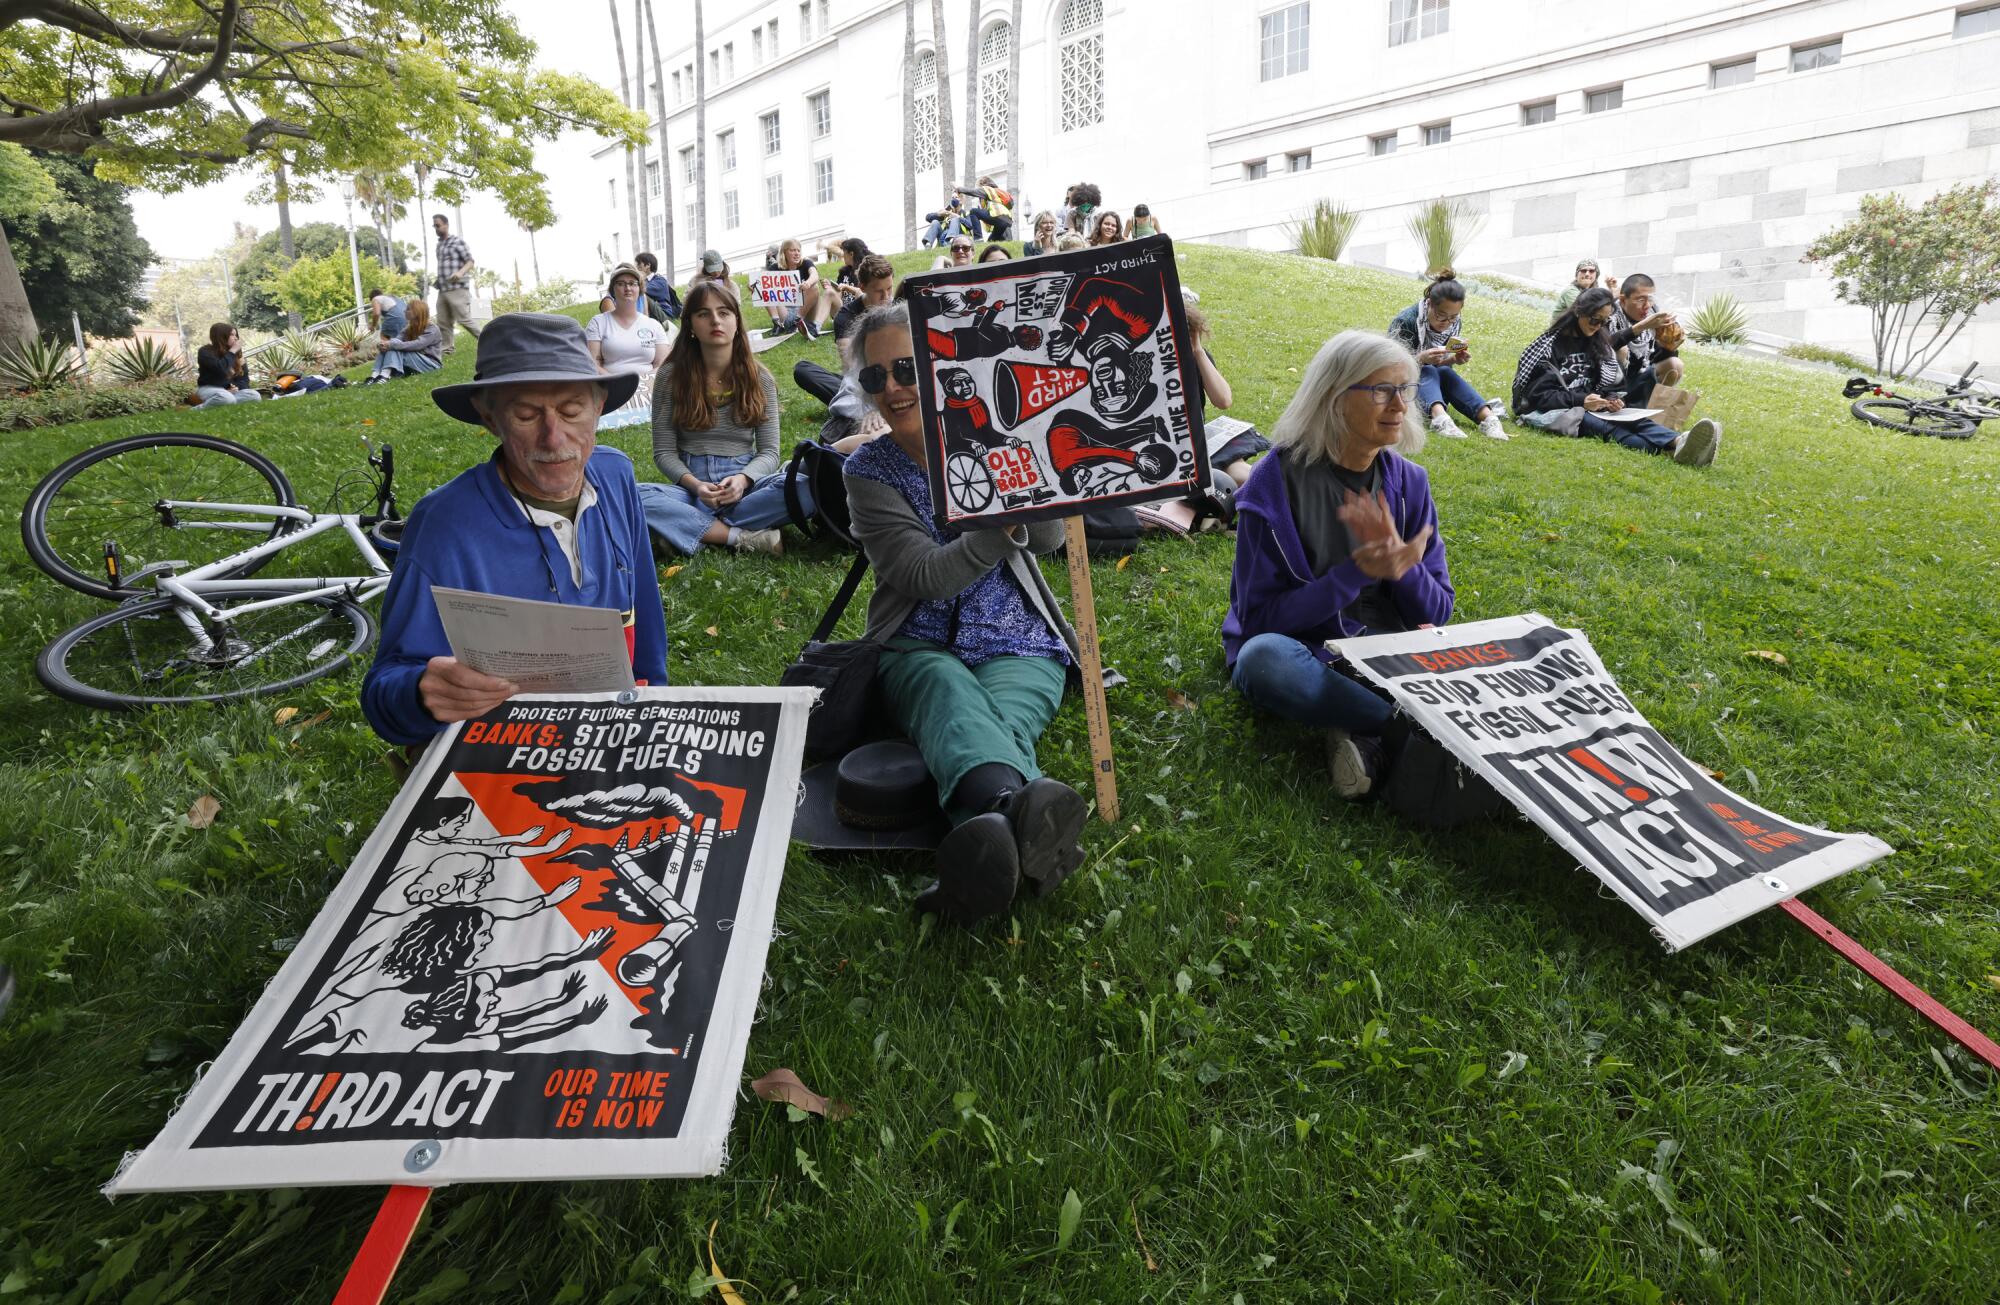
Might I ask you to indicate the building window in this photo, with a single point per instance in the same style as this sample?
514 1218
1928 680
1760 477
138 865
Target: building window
994 48
924 79
819 110
653 179
1257 171
732 215
680 95
1437 133
1299 161
1541 111
1383 144
819 7
659 228
771 37
1598 101
822 181
614 194
1734 73
714 67
1977 22
1284 41
729 61
687 217
1413 20
1080 64
805 21
725 145
687 165
774 196
757 45
687 77
1820 54
773 139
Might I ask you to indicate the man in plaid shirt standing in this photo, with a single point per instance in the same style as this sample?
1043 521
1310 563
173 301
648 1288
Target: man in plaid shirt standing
454 283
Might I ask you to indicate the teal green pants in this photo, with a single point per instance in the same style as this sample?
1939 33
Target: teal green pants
963 716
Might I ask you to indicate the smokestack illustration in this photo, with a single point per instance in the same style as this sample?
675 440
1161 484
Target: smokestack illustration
1022 389
708 807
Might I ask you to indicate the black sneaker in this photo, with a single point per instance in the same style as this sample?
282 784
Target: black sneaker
1356 763
1047 817
978 868
812 332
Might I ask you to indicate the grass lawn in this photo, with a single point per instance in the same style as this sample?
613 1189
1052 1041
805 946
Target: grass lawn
1279 1048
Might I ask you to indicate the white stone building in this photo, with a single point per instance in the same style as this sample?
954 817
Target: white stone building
1705 143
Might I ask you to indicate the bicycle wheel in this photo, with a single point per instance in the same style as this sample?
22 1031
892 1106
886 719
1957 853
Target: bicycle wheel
114 494
1915 419
144 654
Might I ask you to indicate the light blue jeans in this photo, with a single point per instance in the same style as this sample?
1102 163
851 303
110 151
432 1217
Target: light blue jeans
214 396
401 362
677 516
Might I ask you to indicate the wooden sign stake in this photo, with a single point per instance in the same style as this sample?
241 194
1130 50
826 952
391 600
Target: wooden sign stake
1094 710
368 1278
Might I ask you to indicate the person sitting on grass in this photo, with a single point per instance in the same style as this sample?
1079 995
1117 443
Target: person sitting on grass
1429 329
626 339
715 435
1585 279
1044 233
1143 223
815 300
959 254
1648 341
662 304
1336 536
1569 381
1106 228
876 285
550 516
995 254
852 251
221 375
419 349
710 268
992 206
976 651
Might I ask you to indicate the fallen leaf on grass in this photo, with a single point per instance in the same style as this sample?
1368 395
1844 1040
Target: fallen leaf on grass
367 421
1179 700
1068 1219
1122 562
712 632
204 811
1551 537
283 714
1152 1265
1631 530
723 1287
1713 773
783 1085
320 719
1768 655
670 572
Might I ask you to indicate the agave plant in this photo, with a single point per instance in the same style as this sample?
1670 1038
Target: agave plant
144 359
39 365
1443 229
347 342
1719 321
295 352
1325 230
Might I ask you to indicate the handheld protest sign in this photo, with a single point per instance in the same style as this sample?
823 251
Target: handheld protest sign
542 964
774 289
1054 384
1530 708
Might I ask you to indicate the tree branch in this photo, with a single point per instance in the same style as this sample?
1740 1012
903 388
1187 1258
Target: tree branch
73 129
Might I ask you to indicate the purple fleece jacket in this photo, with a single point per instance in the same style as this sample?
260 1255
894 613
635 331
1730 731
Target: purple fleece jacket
1272 589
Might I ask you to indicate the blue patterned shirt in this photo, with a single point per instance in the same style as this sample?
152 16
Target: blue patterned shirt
995 618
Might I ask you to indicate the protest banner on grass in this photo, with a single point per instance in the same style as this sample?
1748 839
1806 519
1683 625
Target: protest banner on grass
1056 384
542 964
1530 707
769 289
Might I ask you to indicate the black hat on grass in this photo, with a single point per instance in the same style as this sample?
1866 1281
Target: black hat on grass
879 797
528 349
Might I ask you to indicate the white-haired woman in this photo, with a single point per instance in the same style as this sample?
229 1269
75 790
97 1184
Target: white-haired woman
1336 536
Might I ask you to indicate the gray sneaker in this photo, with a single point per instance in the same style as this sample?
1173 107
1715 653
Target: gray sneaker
1697 447
1356 763
761 541
1444 427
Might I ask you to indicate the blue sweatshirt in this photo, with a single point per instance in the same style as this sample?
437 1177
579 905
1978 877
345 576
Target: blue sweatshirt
473 534
1272 589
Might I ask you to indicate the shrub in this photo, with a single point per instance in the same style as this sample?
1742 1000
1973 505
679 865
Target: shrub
40 364
319 288
141 360
1443 229
1819 353
548 297
88 403
298 352
345 344
1325 230
1719 321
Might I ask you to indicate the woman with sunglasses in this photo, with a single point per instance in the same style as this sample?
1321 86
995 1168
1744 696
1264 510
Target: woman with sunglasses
1585 279
715 434
1569 381
1336 536
975 655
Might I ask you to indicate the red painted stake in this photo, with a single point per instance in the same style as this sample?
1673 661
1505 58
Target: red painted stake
382 1249
1908 993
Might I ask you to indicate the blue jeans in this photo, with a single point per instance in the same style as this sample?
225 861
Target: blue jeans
1443 384
1280 675
1646 435
401 362
214 396
677 516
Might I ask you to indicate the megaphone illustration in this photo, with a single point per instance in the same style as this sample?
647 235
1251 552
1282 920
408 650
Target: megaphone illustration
1025 389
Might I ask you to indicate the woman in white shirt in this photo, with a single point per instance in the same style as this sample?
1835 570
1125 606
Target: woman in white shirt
625 339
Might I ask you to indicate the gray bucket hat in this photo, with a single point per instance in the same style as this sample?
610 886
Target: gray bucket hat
527 348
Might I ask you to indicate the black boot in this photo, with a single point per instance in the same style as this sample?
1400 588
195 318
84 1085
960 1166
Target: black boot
978 869
1047 818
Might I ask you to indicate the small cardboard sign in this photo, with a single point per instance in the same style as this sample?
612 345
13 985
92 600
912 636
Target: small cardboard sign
774 289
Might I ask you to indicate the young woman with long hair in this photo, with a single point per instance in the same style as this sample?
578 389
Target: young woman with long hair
420 348
1106 228
220 374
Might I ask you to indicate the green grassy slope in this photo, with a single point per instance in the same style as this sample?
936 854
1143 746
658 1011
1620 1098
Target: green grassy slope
1302 1051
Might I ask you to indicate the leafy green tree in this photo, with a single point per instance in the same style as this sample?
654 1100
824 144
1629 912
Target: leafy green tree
320 287
1921 272
25 187
253 305
81 253
172 93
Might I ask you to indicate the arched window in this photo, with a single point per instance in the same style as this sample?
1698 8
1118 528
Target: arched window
1080 64
924 79
993 88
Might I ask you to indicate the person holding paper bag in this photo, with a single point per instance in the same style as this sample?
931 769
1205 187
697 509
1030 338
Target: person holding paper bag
1336 536
976 652
551 516
1570 381
1648 340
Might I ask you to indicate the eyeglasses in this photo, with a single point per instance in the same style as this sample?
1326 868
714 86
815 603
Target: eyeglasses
1384 393
1599 319
874 378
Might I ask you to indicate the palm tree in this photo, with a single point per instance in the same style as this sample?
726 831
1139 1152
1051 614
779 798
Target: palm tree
972 97
666 250
625 98
645 240
534 256
282 185
947 144
700 135
909 122
1014 115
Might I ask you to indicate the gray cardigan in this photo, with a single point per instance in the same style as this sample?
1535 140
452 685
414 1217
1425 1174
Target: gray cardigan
910 565
728 437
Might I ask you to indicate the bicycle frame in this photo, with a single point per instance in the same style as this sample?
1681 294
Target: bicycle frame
189 590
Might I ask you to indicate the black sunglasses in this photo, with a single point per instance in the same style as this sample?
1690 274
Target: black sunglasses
875 377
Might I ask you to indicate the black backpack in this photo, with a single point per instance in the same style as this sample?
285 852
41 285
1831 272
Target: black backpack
818 467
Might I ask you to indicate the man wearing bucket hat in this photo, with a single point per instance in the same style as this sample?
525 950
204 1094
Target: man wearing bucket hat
550 516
